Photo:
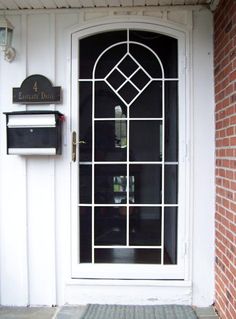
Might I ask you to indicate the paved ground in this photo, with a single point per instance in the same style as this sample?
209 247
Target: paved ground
70 312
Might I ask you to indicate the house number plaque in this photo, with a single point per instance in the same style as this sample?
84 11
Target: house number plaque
37 89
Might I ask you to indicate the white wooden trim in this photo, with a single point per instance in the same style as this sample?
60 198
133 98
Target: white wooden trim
141 292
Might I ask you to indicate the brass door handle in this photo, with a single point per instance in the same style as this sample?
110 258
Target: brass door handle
74 143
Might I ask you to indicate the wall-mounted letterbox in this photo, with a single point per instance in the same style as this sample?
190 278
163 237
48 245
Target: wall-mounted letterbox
34 132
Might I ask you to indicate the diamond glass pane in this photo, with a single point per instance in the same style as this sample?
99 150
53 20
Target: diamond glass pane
115 79
140 79
128 66
128 92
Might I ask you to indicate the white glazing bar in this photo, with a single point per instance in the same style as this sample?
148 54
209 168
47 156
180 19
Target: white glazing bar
125 162
90 80
126 104
125 118
140 66
93 167
85 163
135 98
171 163
127 79
128 181
124 247
153 79
107 49
166 80
163 175
128 40
133 205
115 68
128 147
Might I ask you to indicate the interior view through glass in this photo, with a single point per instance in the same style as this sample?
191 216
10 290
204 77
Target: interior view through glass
128 161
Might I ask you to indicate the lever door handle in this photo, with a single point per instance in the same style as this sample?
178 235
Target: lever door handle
82 142
74 148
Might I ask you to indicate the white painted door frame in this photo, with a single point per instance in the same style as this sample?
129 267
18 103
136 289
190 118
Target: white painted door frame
137 271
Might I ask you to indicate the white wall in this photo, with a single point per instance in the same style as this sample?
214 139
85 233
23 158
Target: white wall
203 156
35 191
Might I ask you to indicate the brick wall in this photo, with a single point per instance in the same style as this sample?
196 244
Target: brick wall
225 90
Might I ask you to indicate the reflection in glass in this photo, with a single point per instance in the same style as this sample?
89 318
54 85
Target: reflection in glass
145 226
171 184
108 145
85 184
120 188
170 231
145 140
128 256
120 129
147 183
110 225
85 233
107 181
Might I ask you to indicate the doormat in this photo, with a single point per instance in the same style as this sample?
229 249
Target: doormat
139 312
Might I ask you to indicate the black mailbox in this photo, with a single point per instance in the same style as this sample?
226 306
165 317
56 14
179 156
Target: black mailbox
34 132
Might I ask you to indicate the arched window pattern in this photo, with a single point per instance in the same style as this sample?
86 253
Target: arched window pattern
128 163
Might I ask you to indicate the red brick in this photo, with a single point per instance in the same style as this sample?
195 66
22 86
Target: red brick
225 117
233 120
233 141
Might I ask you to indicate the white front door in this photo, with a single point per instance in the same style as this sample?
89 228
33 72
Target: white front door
128 178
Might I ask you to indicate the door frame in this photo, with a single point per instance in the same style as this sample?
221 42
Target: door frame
103 271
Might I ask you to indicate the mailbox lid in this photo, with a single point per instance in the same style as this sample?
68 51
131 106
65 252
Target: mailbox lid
33 119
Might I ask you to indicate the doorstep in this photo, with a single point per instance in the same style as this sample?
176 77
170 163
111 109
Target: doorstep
206 313
71 312
28 312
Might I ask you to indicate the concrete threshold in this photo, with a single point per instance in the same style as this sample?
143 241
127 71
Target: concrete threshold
71 312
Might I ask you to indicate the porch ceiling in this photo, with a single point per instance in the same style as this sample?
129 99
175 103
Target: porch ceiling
59 4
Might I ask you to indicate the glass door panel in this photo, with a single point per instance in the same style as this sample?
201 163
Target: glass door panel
129 151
